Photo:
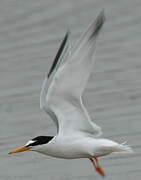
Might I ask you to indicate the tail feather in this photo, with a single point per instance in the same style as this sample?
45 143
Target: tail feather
123 147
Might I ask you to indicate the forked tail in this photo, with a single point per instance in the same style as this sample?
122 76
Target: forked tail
123 147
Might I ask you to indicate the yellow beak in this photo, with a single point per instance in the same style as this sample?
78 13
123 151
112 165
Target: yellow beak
23 148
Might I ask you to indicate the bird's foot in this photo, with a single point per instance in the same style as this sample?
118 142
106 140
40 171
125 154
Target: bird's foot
98 168
100 171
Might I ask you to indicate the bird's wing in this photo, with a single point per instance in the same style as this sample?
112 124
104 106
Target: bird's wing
61 56
65 91
63 50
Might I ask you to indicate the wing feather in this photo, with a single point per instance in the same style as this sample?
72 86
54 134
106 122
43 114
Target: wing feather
65 91
61 56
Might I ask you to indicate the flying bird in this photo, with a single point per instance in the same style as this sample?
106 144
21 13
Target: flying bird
61 97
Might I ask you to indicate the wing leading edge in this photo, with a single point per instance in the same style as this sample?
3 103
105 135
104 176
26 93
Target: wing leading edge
61 56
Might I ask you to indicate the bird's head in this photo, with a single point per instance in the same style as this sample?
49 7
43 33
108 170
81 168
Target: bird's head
33 144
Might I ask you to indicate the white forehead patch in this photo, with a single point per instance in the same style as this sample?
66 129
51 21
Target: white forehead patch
29 142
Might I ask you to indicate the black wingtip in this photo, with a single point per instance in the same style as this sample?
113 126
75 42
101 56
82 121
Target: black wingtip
59 53
98 24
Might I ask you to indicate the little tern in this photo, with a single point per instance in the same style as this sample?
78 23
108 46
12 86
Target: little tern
61 98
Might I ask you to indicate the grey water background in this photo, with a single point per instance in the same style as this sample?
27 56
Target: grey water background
30 34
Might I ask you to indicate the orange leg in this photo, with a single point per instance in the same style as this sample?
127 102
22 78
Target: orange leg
98 168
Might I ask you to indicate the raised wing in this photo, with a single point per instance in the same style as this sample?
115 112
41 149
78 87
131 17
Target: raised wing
68 83
61 56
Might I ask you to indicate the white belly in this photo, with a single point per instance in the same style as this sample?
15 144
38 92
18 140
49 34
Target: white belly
84 147
67 151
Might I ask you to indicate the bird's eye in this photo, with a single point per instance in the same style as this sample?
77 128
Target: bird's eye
39 141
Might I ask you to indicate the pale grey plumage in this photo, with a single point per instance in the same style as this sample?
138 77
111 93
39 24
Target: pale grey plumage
62 98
